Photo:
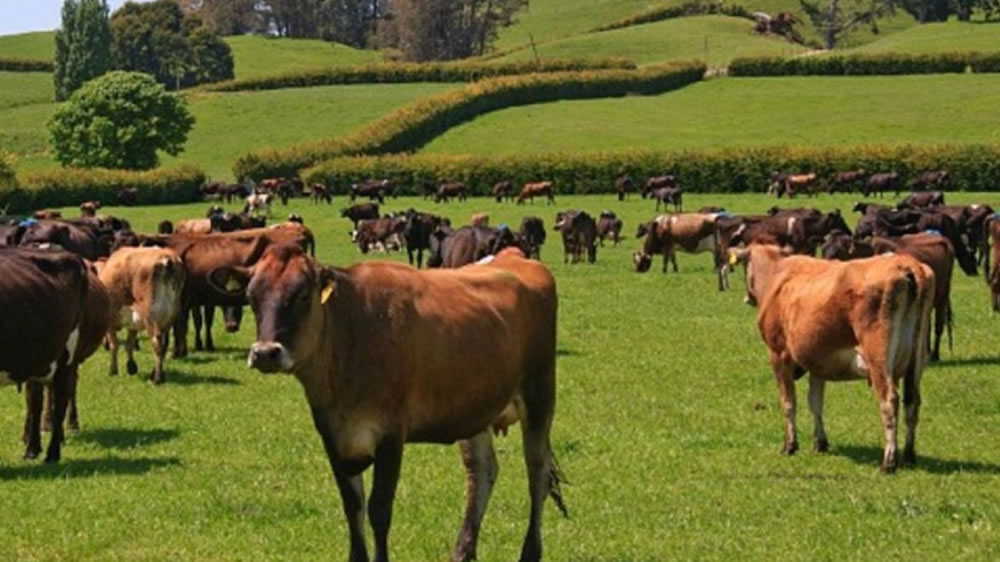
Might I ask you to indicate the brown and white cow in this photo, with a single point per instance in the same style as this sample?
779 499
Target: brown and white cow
145 286
480 219
376 381
537 189
840 321
609 226
579 234
792 184
258 204
692 233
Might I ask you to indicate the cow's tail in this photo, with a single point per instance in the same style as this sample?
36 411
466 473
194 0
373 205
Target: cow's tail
907 305
557 477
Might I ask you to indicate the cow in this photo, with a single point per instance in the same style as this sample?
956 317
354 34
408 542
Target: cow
258 204
609 226
145 287
801 230
668 195
234 192
866 319
479 219
165 227
503 191
89 208
72 237
193 226
469 244
382 234
447 191
992 235
417 232
42 299
579 233
624 185
374 190
532 233
691 232
128 196
880 183
935 178
792 184
658 182
46 215
922 200
375 382
880 221
231 222
536 189
846 181
359 212
321 193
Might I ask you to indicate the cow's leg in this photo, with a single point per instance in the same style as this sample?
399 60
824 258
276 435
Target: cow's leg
113 345
60 395
160 340
32 435
388 460
352 496
130 338
673 257
543 474
816 388
481 470
196 319
888 400
72 415
209 320
911 401
784 375
180 331
940 319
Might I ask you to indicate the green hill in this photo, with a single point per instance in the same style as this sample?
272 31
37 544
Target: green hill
748 112
33 45
256 55
715 39
937 38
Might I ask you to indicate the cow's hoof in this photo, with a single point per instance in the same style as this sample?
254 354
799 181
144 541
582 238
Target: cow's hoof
209 347
131 368
197 346
790 448
821 446
888 468
31 454
909 457
935 357
74 427
154 380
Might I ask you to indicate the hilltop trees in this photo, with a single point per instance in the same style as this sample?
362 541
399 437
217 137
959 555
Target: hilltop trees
83 45
449 29
119 120
834 19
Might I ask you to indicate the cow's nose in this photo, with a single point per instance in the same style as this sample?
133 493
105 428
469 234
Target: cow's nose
267 357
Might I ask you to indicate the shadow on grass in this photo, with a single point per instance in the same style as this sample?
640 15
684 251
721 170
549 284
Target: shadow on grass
562 352
125 438
186 379
967 361
85 468
873 456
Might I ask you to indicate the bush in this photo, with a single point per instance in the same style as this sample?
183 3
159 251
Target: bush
71 186
661 13
6 170
412 126
395 72
119 120
888 63
973 167
985 62
26 65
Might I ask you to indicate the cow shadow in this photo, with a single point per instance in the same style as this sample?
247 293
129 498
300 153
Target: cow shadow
967 361
86 468
187 379
563 352
872 456
125 438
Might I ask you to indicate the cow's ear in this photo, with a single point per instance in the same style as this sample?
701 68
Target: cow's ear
230 280
327 284
738 255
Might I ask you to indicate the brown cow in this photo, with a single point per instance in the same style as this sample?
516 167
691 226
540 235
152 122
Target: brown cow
922 200
992 235
624 185
668 196
321 193
838 321
89 208
532 235
480 219
537 189
934 178
359 212
846 181
447 191
376 381
792 184
692 233
881 182
579 233
609 226
503 190
193 226
145 286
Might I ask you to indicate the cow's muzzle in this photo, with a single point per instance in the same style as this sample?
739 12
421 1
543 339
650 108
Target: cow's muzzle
269 357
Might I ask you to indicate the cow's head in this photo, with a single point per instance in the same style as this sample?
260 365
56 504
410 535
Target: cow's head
288 292
760 263
642 261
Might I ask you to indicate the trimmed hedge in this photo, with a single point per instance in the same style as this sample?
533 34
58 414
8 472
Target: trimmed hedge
394 73
65 187
887 63
26 65
984 62
412 126
661 13
973 167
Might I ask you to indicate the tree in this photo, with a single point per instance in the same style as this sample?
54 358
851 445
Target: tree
841 17
83 45
450 29
119 120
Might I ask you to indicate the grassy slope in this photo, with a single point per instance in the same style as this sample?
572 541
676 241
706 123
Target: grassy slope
34 45
24 88
748 112
668 427
259 56
726 38
939 37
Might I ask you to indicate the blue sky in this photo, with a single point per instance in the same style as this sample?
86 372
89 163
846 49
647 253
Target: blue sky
18 16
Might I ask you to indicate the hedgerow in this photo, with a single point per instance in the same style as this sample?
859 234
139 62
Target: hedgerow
660 13
972 167
64 187
412 126
26 65
886 63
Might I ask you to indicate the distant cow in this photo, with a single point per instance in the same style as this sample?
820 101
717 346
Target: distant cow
692 233
89 208
374 190
537 189
609 226
417 231
880 183
624 185
145 287
359 212
922 200
469 244
382 234
579 233
503 190
532 234
258 204
669 196
846 181
866 320
128 196
321 193
447 191
658 182
792 184
926 180
479 219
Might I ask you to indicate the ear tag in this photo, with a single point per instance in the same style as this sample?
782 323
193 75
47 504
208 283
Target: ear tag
232 285
733 259
326 294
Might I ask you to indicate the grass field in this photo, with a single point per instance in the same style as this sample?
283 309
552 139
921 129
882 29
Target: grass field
260 56
714 39
667 426
938 38
747 112
33 45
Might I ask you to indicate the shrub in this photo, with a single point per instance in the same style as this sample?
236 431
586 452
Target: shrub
836 65
397 72
985 62
660 13
26 65
973 167
410 127
6 170
70 186
119 120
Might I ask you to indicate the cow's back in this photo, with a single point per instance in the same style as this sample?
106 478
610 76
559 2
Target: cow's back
150 280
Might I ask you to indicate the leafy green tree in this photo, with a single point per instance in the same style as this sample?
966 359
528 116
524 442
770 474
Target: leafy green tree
835 19
449 29
83 45
119 120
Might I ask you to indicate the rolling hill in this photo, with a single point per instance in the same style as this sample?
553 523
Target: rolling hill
33 45
938 38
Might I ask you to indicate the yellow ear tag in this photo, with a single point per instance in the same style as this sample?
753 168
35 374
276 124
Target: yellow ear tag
232 285
733 259
325 295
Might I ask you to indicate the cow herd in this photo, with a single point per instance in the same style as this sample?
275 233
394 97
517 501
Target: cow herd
364 340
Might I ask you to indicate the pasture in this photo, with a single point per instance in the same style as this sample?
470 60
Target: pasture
832 111
937 38
257 56
667 426
32 45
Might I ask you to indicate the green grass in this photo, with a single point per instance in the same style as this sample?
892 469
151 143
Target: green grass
748 112
939 38
33 45
261 56
714 39
25 88
667 426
